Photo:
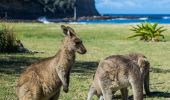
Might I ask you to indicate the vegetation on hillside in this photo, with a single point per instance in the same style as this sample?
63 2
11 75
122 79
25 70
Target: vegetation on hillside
33 9
56 5
148 32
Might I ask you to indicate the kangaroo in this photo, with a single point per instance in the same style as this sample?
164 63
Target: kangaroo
116 72
42 80
144 65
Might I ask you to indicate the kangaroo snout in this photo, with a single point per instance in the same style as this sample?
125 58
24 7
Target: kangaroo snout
82 50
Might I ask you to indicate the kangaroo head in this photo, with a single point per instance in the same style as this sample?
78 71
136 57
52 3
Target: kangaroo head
71 41
143 64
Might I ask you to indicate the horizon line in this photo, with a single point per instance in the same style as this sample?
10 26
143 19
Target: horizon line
137 13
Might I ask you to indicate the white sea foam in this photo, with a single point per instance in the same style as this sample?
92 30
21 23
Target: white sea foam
121 18
77 23
143 18
166 17
43 20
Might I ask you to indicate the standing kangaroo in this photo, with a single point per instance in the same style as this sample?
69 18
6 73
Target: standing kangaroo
144 66
114 73
42 80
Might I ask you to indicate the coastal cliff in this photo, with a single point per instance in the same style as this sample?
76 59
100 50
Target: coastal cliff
32 9
86 8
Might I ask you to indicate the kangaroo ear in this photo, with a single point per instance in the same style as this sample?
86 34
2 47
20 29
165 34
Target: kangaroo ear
65 30
71 31
68 31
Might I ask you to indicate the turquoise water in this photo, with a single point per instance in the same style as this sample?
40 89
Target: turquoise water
131 18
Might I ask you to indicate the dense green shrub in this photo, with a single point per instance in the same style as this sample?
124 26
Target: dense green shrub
7 39
148 32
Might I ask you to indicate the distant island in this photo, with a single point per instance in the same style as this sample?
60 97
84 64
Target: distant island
33 9
64 11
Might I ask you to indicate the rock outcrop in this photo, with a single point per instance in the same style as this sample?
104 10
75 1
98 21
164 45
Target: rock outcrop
86 8
32 9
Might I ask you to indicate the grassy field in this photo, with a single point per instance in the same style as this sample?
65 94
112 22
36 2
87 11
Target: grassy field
101 40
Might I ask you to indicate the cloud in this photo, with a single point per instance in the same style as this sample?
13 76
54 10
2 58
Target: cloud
130 3
107 3
116 3
142 6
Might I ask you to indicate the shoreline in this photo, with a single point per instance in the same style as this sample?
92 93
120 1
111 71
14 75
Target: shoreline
71 19
98 20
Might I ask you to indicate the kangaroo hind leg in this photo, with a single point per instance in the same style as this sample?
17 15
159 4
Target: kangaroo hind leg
91 92
124 92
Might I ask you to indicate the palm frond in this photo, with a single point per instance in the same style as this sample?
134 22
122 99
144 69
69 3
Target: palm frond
155 25
135 35
160 31
159 28
160 35
140 27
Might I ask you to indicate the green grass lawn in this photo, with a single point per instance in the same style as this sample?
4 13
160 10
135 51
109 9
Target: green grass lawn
101 40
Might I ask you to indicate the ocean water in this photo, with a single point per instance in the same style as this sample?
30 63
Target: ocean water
129 18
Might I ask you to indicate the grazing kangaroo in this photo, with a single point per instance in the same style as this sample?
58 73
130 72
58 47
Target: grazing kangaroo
42 80
114 73
144 65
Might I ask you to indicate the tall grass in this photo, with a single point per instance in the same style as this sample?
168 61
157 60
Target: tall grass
101 40
7 38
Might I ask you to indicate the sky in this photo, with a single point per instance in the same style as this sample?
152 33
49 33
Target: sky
133 6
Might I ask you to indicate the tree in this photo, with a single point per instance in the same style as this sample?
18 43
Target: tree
55 5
